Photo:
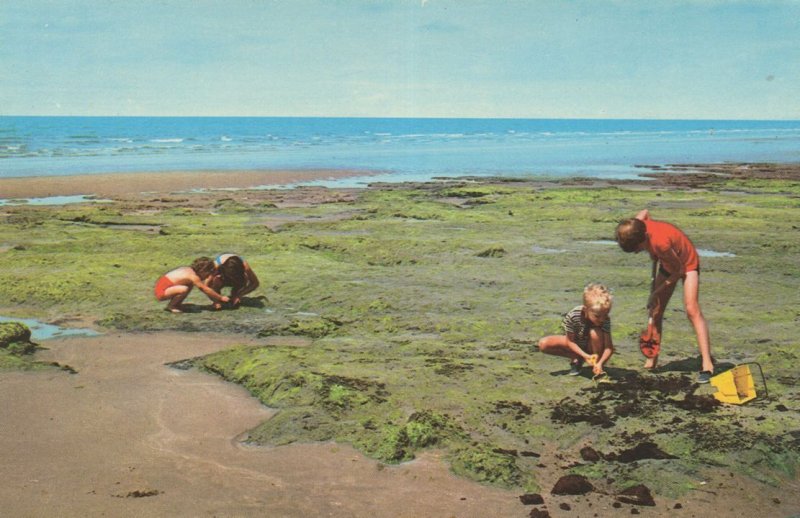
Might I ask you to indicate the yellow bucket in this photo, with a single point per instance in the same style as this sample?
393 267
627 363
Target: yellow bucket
737 385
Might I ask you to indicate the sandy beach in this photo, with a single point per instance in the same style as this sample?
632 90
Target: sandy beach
161 182
129 436
119 432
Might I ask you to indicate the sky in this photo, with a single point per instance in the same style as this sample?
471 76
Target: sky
677 59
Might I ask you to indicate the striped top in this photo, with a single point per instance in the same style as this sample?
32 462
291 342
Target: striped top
577 324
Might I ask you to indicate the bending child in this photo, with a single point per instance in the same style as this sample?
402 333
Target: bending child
234 272
587 332
679 261
176 285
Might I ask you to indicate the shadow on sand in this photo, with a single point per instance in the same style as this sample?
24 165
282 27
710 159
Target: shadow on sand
692 365
247 302
586 372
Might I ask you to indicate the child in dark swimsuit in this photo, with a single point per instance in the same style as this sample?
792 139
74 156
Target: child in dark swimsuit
234 272
176 284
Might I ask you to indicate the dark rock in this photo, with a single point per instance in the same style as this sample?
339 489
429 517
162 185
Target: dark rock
531 499
643 450
536 513
564 506
143 493
637 495
529 454
589 454
572 485
694 403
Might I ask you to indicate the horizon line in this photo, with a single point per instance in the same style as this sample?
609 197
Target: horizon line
376 117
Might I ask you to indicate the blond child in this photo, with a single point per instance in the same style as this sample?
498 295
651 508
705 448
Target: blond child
176 285
587 332
679 260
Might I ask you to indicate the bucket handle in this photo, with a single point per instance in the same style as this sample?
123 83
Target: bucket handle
763 379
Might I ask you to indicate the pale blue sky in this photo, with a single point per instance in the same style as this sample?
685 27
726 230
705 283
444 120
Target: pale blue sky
466 58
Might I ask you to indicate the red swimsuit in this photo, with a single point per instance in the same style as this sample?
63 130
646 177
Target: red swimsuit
161 286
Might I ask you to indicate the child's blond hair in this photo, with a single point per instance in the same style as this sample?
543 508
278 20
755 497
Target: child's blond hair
597 297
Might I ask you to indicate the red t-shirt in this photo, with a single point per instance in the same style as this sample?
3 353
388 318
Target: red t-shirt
664 237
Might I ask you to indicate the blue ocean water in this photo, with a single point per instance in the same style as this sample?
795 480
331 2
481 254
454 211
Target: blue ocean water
401 149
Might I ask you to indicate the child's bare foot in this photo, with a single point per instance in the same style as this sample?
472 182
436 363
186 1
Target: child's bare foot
217 306
651 363
173 309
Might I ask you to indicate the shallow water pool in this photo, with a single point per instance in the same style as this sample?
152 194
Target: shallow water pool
42 331
52 200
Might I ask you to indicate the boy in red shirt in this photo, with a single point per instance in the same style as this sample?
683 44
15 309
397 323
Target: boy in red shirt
679 261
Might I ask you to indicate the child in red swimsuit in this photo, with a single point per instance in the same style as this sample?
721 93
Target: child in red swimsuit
176 284
679 261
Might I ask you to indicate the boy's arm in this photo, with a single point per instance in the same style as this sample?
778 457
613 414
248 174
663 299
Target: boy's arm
671 263
643 215
574 347
608 350
213 295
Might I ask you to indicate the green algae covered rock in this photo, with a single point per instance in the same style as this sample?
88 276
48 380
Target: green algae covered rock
486 464
15 337
422 430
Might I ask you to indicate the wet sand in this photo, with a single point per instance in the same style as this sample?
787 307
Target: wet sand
129 436
169 181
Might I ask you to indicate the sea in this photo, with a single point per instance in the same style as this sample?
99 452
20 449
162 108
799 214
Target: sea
394 149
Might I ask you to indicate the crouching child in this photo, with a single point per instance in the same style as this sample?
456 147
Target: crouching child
587 332
176 285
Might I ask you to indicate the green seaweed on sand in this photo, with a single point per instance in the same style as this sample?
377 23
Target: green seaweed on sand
411 340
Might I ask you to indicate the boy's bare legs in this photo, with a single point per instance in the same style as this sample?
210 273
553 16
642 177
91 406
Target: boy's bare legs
558 345
177 294
691 300
662 299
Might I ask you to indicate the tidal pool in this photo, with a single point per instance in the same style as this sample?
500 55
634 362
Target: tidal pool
42 331
702 252
542 250
52 200
602 242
